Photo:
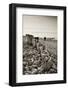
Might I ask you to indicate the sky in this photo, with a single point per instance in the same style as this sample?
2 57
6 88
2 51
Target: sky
40 26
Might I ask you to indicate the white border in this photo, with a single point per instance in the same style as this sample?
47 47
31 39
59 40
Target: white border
20 78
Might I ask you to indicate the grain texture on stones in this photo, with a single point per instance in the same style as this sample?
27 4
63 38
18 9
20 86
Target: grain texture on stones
39 58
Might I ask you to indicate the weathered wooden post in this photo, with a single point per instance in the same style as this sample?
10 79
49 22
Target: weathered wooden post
44 38
37 42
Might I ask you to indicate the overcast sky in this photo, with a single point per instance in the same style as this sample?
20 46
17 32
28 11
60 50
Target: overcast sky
41 26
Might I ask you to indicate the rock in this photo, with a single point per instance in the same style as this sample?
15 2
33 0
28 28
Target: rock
54 66
46 72
46 58
39 63
50 59
54 60
29 72
49 65
35 62
44 66
26 73
46 52
24 63
34 66
32 59
30 62
54 56
40 69
30 68
51 71
34 71
30 52
38 55
43 55
26 68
